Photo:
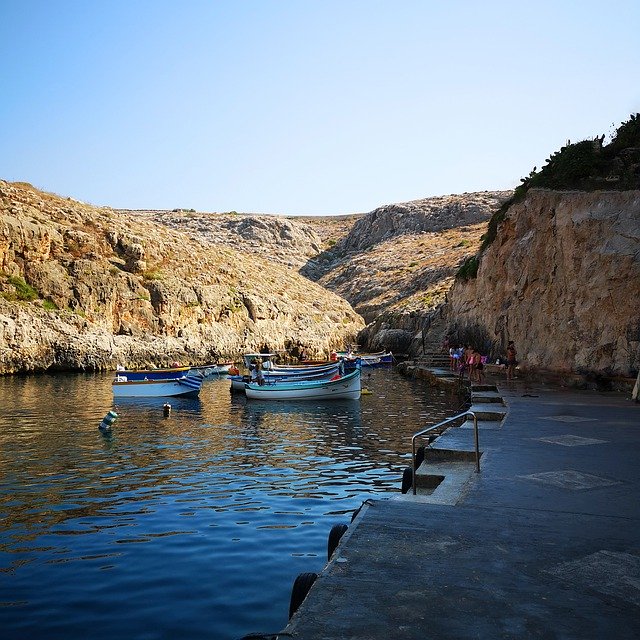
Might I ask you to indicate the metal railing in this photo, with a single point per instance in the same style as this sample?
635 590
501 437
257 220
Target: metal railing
436 426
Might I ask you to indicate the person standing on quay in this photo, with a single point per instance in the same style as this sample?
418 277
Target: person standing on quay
479 367
511 360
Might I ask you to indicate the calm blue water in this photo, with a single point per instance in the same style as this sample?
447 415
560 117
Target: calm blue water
191 526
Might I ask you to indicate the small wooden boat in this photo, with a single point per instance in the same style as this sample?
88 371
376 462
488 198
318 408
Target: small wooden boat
152 374
218 369
343 388
291 369
368 359
249 358
187 385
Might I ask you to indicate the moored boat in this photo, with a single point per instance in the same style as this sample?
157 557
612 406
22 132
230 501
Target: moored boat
368 359
249 358
343 388
167 373
217 369
189 384
289 375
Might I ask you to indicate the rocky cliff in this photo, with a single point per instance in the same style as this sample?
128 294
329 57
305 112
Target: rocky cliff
561 279
397 263
89 288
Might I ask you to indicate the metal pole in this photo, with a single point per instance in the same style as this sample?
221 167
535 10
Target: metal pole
413 465
475 428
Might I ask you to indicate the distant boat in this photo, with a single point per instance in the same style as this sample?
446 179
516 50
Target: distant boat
367 359
187 385
152 374
343 388
250 358
218 369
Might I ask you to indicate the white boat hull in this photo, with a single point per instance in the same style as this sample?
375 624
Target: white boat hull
186 386
281 377
345 388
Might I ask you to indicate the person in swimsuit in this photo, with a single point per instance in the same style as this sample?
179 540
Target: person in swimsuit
479 367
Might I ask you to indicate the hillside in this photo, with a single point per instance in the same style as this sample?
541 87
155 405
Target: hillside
401 259
89 288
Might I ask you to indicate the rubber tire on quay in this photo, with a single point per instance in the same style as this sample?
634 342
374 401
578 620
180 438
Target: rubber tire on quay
420 455
407 479
337 531
301 587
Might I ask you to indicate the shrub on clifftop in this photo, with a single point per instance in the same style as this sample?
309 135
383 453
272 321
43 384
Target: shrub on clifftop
583 166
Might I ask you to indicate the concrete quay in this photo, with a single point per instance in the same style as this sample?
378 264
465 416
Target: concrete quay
544 542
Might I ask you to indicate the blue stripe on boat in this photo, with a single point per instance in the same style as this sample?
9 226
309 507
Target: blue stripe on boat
192 382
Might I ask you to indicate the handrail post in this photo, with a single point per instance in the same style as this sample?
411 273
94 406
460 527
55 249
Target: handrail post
477 439
413 465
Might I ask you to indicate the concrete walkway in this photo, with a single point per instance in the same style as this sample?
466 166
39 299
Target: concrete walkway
543 543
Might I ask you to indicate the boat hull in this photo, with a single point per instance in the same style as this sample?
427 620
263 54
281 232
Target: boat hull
369 360
274 377
345 388
277 377
169 373
186 386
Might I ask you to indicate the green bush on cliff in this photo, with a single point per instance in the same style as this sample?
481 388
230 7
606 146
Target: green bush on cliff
49 305
589 165
469 269
24 291
583 166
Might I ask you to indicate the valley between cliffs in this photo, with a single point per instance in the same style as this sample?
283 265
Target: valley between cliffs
88 288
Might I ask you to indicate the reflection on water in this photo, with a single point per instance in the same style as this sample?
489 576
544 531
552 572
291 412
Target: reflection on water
193 525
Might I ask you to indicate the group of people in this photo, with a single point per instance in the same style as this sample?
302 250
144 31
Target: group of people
468 360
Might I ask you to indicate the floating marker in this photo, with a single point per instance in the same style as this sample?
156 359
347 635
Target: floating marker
108 420
166 409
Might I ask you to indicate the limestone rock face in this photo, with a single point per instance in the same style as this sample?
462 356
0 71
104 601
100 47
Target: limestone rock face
562 279
422 216
90 288
399 260
281 240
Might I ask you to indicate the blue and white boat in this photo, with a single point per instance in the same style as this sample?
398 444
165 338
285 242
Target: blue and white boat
152 374
187 385
368 359
289 375
343 388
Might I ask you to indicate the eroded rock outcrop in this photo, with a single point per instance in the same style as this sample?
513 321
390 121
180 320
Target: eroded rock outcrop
562 279
89 288
398 262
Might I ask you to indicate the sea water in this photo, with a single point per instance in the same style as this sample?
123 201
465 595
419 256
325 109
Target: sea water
192 525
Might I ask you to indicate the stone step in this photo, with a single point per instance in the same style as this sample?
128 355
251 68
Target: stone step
484 387
480 397
488 411
443 475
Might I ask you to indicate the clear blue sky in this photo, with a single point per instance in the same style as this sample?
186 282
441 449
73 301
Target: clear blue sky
301 106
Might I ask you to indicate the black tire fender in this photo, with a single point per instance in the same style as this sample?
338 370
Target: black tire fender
337 531
407 479
301 588
420 455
